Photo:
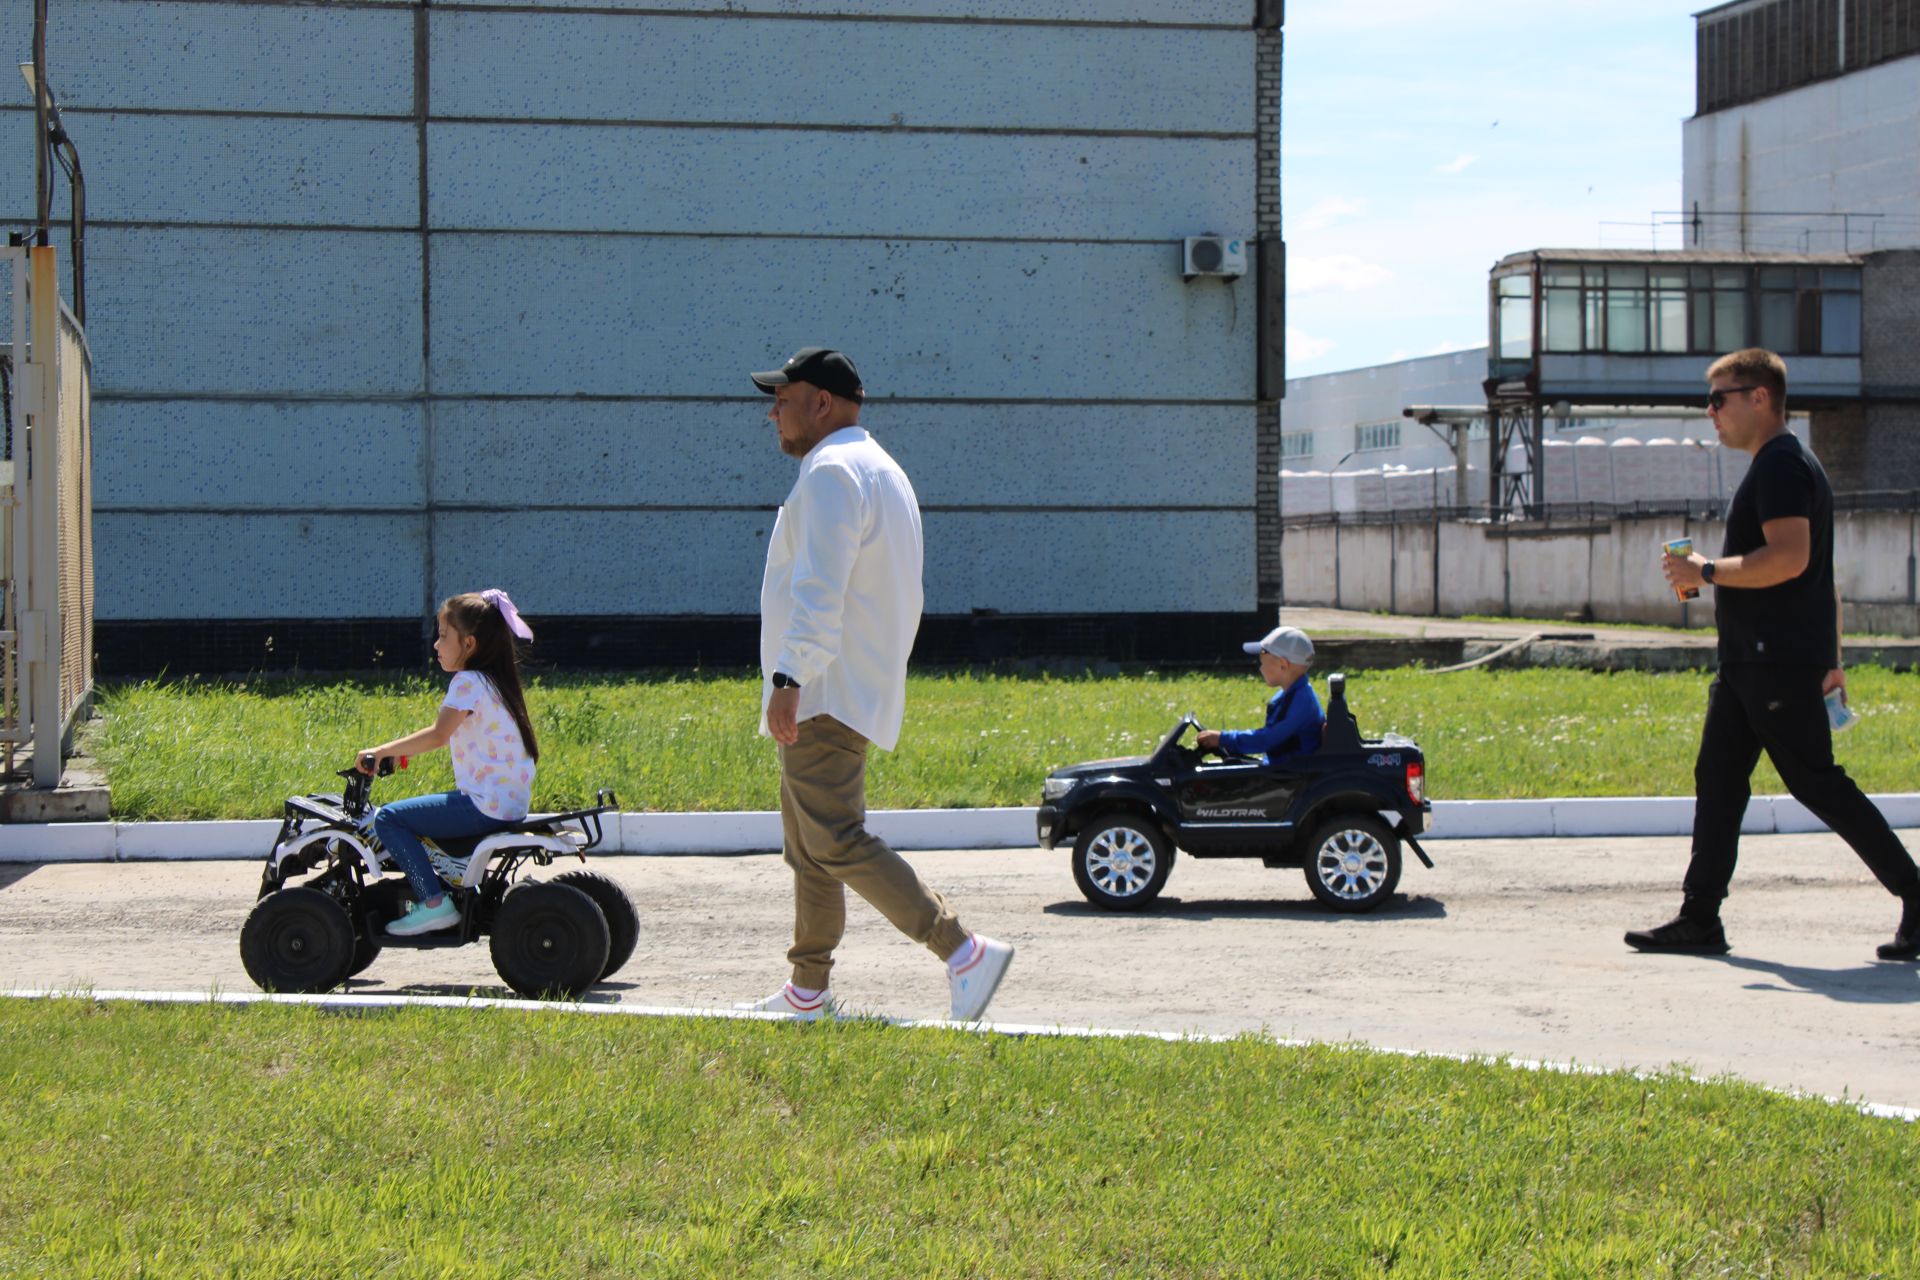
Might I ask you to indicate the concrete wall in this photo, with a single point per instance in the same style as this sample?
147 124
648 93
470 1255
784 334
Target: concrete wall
1875 445
1591 470
1847 145
391 301
1610 568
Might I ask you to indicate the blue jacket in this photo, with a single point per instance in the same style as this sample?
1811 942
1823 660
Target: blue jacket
1293 728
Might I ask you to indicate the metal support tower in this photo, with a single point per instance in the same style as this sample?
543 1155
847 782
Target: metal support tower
1515 420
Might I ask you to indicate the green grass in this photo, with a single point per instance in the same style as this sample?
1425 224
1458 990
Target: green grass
289 1142
219 749
672 743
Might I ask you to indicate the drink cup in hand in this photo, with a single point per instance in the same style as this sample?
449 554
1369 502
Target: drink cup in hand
1841 716
1683 547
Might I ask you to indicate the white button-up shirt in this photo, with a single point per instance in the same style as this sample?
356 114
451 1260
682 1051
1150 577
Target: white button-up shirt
840 602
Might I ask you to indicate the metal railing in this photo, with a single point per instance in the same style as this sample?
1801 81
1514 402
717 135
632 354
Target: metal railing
46 630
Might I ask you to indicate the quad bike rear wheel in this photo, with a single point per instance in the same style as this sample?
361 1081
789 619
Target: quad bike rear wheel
550 939
623 922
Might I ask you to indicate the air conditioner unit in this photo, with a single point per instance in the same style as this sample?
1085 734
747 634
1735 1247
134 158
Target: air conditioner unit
1222 256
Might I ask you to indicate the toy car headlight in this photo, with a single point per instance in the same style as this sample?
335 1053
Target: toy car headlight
1055 788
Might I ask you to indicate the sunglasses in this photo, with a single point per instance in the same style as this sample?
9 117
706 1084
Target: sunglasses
1718 399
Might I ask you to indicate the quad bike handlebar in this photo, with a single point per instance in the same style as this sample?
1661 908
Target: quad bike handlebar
356 799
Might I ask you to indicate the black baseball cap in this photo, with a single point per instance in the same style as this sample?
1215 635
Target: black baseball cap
824 367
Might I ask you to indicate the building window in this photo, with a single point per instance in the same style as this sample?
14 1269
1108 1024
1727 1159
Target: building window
1720 300
1296 444
1515 317
1657 309
1627 310
1561 329
1376 435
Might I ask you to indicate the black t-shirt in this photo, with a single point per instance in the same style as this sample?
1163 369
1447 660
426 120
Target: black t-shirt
1791 621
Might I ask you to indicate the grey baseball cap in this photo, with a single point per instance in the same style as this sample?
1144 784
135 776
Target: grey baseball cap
1290 643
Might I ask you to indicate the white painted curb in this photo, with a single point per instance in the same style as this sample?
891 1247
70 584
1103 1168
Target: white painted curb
759 832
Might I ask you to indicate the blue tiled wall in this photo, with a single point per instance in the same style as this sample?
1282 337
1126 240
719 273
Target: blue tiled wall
419 303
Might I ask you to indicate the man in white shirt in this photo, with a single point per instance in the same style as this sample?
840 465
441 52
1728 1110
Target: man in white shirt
839 607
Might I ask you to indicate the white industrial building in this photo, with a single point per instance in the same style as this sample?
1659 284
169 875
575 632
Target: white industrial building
1806 133
1348 445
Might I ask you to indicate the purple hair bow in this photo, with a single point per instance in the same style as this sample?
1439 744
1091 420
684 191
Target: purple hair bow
504 603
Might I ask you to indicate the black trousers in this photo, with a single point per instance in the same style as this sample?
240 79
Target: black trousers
1751 706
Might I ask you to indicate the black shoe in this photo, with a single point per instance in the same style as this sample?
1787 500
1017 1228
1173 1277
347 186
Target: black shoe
1683 935
1906 939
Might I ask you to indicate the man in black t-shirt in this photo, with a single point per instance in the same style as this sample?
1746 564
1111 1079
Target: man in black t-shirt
1779 623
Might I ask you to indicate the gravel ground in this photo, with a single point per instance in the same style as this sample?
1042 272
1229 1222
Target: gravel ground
1509 947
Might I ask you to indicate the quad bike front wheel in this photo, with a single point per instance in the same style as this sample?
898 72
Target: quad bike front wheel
623 922
297 940
550 939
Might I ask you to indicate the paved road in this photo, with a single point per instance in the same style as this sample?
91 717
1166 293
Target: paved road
1509 947
1317 621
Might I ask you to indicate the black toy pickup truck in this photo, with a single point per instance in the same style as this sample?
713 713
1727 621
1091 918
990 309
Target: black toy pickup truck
1341 813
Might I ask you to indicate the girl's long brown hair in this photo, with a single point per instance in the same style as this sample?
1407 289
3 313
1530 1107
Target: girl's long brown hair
495 656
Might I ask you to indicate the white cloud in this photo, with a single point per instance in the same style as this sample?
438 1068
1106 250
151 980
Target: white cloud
1326 213
1457 164
1303 346
1334 273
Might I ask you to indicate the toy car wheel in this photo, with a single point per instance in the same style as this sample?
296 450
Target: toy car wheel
623 922
297 940
549 939
1353 862
1121 861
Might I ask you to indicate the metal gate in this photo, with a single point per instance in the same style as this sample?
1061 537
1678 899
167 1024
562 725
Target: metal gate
46 632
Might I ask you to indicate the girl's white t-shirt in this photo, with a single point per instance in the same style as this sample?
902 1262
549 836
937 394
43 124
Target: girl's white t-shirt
490 762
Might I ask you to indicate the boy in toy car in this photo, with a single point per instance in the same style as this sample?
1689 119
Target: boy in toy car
1294 718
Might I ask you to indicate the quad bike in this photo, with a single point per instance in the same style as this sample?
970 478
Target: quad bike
330 890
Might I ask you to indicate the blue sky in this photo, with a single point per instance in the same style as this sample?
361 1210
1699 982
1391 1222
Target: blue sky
1422 142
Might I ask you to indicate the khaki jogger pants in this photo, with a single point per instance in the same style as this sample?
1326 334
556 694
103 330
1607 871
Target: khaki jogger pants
823 815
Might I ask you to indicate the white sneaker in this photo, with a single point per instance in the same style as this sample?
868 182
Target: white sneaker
785 1002
973 983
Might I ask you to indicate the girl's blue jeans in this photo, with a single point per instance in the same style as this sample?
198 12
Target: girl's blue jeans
450 813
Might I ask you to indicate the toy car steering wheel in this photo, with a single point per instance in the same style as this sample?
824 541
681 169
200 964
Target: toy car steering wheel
1224 754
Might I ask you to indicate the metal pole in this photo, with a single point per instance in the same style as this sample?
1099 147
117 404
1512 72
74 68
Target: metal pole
42 180
1537 462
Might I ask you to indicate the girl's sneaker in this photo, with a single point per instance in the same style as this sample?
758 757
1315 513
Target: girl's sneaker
421 919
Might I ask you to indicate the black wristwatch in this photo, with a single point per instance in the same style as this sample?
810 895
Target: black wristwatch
781 680
1706 573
